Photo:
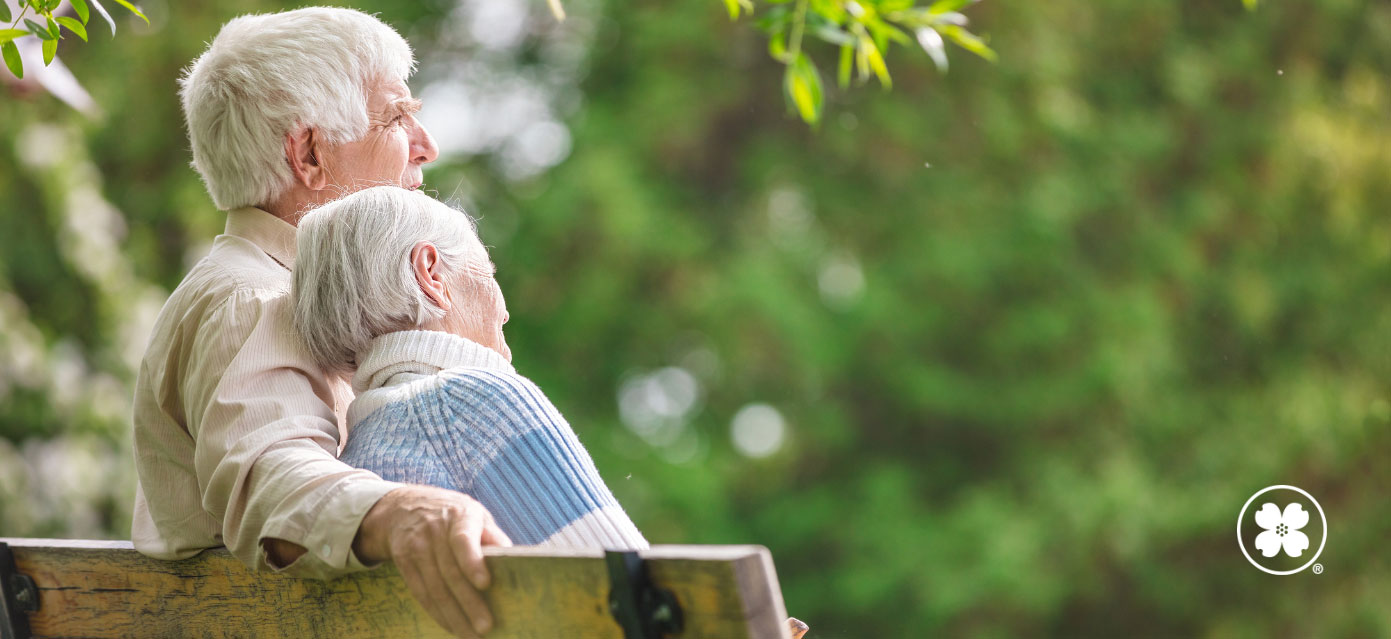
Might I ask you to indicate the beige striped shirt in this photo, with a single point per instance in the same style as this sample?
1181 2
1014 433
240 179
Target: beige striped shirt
237 432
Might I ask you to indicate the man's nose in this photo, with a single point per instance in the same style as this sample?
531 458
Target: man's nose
506 316
423 149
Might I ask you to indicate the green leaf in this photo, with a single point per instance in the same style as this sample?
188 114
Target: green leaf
876 62
36 5
53 28
9 34
12 59
950 17
847 52
966 40
1250 4
947 6
50 5
734 5
134 10
884 32
803 85
776 19
827 12
777 46
833 35
38 29
861 63
557 10
83 13
873 60
936 49
50 48
74 26
104 15
5 15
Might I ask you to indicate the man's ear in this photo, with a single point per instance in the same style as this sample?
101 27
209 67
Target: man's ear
302 152
429 274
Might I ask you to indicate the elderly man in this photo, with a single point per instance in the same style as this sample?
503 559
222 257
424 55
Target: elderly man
237 430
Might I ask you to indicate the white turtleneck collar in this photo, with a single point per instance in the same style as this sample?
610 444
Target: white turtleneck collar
405 356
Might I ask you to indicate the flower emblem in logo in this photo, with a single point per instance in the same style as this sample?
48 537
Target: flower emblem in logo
1282 530
1283 537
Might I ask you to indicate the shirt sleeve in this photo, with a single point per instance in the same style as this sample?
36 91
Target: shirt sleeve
266 440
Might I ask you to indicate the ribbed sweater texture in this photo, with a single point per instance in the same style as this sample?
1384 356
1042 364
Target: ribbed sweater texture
438 409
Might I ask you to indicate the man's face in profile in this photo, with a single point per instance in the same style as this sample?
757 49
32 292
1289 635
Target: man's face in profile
394 149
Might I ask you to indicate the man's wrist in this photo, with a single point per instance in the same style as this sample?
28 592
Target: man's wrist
371 542
281 553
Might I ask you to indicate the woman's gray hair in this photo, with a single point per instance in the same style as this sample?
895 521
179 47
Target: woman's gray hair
265 75
353 279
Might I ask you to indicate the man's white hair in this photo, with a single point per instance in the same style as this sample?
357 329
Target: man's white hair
264 76
353 278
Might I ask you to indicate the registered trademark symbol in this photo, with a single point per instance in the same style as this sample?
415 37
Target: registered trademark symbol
1318 569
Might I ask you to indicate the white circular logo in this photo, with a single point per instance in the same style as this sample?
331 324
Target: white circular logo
1281 529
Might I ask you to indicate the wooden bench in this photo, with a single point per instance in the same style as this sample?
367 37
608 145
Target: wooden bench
61 588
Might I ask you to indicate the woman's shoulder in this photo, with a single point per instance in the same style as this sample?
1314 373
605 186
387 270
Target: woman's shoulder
493 389
459 392
485 380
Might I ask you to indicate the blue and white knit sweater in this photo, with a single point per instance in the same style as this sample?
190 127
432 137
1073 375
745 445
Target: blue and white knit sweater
434 408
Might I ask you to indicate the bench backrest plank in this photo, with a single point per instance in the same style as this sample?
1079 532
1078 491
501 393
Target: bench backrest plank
107 589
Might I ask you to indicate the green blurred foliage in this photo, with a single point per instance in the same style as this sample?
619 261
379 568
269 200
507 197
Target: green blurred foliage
52 27
862 32
1037 330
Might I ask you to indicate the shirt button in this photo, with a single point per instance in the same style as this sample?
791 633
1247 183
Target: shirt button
327 551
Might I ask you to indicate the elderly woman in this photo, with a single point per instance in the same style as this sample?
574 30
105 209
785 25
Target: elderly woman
395 287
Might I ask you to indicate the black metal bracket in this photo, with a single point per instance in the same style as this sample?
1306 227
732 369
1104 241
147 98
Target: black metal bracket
18 597
642 609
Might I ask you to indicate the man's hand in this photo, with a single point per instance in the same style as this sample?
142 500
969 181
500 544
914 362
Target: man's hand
435 537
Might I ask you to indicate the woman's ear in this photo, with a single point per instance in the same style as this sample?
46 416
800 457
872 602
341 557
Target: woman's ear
302 152
429 274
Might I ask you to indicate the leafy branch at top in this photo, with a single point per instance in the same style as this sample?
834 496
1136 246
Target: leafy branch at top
49 28
863 30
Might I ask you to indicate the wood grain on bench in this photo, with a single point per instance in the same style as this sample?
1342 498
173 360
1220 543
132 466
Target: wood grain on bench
107 589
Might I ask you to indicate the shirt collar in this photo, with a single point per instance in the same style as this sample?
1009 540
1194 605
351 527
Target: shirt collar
421 353
269 233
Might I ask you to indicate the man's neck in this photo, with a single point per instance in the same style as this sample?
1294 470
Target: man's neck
295 202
